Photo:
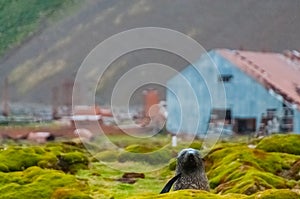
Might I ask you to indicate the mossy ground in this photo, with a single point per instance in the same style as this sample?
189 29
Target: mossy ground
281 143
66 170
239 169
42 171
36 183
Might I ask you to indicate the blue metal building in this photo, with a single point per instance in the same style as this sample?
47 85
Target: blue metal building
246 90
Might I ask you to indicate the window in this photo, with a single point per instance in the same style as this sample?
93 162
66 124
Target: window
225 78
222 114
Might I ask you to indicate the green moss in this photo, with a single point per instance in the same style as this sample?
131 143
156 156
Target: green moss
197 144
136 148
73 161
157 157
189 194
17 159
267 194
145 153
69 193
3 168
251 182
65 147
239 169
233 169
47 159
76 167
219 174
49 162
107 156
276 194
156 142
281 143
172 164
270 162
35 183
75 157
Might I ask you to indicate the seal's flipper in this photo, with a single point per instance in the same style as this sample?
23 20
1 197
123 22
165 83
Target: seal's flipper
170 183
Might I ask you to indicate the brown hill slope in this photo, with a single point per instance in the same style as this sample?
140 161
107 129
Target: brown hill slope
56 52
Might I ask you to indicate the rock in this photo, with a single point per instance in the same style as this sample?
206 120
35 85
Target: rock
130 178
127 180
133 175
40 137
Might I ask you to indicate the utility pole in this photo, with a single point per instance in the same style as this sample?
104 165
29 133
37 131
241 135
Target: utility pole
5 105
54 102
67 95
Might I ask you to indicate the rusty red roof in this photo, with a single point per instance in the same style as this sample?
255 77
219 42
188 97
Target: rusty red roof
279 72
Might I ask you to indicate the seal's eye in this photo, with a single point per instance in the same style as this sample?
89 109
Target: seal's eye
182 153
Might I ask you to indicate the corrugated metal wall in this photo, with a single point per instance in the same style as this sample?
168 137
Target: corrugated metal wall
192 95
297 122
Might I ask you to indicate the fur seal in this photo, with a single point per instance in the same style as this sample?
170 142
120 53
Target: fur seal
190 172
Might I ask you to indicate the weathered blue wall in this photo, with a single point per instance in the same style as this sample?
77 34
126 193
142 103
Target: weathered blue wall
297 121
187 113
192 95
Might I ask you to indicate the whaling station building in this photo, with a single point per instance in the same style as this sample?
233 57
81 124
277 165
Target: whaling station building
259 87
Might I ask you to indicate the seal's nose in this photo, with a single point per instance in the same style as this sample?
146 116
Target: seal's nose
190 155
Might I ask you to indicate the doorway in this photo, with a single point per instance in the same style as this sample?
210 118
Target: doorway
245 125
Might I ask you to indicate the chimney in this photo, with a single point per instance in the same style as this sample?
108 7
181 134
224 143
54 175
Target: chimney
151 99
297 88
293 55
296 54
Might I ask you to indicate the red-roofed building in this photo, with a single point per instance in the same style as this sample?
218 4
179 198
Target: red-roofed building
262 90
279 72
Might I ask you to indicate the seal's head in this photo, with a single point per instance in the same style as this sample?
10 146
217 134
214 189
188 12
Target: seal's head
190 172
189 160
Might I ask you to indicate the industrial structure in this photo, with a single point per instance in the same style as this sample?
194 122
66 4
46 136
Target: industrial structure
262 92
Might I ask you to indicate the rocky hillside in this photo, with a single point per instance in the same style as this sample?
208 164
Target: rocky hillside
55 52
